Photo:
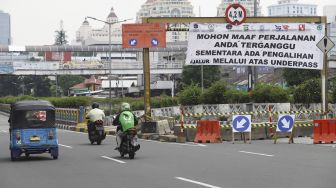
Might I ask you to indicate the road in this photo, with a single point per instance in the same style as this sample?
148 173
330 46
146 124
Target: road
169 165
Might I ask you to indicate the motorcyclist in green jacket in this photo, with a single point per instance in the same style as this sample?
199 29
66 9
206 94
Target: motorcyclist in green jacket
124 121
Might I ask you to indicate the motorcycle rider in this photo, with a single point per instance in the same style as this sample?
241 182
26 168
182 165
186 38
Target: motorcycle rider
124 121
94 115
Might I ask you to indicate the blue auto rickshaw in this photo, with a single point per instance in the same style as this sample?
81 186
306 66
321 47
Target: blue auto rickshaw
32 129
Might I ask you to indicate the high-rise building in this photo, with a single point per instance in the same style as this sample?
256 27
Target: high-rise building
292 8
87 35
248 4
5 29
167 8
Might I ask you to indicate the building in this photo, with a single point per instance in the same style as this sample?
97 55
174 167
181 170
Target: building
89 87
86 35
5 29
248 4
330 12
292 8
167 8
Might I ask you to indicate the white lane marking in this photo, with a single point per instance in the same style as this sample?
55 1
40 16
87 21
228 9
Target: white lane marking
199 145
112 159
65 146
72 131
197 182
3 131
262 154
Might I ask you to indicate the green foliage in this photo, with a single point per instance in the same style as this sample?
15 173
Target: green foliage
295 77
190 95
192 74
215 94
67 81
264 93
308 92
237 96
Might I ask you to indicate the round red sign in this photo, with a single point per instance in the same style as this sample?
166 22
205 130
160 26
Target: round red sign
235 14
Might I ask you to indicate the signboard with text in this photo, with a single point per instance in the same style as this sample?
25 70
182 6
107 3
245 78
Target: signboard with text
143 35
285 45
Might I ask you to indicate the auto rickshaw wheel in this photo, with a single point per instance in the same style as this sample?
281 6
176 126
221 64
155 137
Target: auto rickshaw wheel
13 158
55 157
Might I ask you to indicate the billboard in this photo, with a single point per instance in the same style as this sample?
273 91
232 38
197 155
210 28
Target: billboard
143 35
6 68
58 56
286 45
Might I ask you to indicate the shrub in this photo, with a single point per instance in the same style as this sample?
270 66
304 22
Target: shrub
190 95
215 94
308 92
264 93
237 96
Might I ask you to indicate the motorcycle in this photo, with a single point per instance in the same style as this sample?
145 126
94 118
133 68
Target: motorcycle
129 143
97 133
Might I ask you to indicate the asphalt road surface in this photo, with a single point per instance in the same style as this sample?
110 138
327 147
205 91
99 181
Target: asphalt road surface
169 165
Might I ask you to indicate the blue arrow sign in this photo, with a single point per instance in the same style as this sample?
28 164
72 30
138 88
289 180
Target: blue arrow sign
155 42
285 123
133 42
241 123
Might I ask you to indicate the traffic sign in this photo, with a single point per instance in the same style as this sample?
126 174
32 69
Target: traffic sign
241 123
325 44
144 35
285 123
235 14
133 42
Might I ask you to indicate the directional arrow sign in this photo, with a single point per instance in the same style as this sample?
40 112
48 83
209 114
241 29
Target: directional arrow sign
155 42
133 42
285 123
241 123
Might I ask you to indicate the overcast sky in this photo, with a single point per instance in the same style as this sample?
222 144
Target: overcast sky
34 22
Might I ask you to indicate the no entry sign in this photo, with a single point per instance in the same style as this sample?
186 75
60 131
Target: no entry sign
235 14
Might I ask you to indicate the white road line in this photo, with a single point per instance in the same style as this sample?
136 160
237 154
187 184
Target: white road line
262 154
3 131
112 159
197 145
65 146
197 182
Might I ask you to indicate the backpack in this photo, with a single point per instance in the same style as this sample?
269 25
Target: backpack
126 119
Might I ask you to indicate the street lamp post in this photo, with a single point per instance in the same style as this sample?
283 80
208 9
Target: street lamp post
23 85
110 60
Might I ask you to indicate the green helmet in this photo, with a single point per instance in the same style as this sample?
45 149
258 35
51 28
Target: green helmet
125 106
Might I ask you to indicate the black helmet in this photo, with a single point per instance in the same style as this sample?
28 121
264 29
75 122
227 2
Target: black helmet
95 105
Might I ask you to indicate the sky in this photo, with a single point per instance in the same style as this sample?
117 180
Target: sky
34 22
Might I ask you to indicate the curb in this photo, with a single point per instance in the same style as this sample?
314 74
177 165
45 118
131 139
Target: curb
79 129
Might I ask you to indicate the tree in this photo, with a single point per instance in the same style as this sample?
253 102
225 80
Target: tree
7 86
41 86
264 93
308 92
67 81
215 94
192 74
190 95
60 38
295 77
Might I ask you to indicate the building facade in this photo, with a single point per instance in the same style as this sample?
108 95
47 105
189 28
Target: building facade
167 8
330 12
86 35
292 8
248 4
5 28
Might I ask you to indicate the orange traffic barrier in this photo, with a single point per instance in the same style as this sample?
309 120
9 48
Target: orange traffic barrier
208 131
324 131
